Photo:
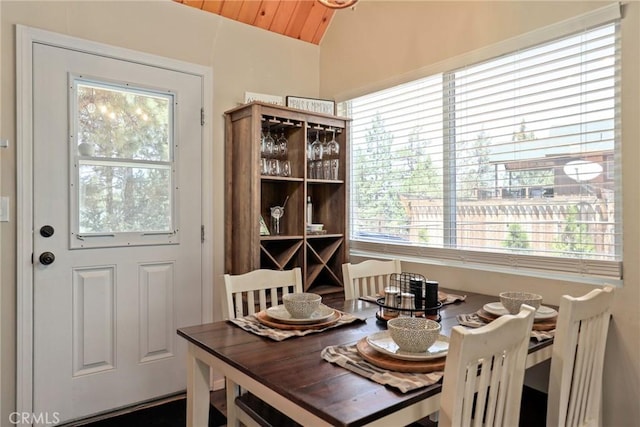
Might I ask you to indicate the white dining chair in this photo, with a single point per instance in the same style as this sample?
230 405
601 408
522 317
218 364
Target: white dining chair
369 277
484 372
257 290
575 379
247 294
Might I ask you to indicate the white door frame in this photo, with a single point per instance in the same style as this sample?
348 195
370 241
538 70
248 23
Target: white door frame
25 38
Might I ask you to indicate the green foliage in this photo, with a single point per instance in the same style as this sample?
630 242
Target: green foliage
377 199
533 177
423 235
522 134
420 178
575 238
116 130
474 172
517 238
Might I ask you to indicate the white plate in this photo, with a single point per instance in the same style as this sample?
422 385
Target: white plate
496 308
382 342
281 314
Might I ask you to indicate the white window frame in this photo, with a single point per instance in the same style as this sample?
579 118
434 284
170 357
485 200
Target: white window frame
78 240
584 271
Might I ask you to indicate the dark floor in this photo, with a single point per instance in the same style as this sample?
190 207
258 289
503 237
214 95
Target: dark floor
533 410
170 412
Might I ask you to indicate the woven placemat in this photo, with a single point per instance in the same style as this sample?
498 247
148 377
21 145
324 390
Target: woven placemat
472 320
347 356
252 324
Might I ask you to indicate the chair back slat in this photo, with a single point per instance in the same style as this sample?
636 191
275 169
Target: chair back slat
258 290
369 277
485 371
238 310
575 379
495 376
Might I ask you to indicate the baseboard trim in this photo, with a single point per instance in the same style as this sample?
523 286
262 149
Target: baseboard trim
218 384
124 410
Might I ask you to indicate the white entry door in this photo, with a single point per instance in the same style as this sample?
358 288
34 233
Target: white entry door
117 220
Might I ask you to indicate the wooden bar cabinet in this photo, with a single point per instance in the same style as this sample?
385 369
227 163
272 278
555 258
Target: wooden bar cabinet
260 177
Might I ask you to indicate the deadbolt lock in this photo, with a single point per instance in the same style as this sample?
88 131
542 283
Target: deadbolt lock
46 231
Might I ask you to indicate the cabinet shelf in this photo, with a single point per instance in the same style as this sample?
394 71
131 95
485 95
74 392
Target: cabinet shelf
323 289
323 236
250 196
325 181
281 178
280 237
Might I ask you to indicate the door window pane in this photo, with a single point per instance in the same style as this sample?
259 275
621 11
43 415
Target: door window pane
123 123
124 199
123 157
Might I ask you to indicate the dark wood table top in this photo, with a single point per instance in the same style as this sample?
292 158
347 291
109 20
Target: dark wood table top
294 368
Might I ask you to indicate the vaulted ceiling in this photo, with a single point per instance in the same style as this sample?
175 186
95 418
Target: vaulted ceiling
306 20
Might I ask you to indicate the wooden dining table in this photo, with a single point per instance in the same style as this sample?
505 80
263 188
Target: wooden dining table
292 377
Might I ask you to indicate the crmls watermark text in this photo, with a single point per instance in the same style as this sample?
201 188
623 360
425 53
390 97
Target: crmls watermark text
46 418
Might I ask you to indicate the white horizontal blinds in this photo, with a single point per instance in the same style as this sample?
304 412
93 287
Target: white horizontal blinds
510 162
396 158
535 136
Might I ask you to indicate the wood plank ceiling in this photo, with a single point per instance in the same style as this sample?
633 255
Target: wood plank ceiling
306 20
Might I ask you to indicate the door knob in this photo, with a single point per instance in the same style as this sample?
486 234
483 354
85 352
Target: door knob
47 258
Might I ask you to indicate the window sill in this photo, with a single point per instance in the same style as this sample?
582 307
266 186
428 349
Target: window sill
540 274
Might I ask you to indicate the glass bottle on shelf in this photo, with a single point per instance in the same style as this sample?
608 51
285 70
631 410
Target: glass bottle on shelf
309 211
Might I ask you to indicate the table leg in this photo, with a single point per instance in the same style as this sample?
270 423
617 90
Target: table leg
198 399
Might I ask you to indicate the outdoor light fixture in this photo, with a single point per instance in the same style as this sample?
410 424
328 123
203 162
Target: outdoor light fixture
338 4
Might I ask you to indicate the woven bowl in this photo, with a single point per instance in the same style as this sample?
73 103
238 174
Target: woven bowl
513 300
301 305
413 334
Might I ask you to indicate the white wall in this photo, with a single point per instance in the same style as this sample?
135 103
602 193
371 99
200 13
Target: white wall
386 42
243 58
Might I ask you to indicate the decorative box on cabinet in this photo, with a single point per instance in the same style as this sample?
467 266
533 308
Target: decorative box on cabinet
250 194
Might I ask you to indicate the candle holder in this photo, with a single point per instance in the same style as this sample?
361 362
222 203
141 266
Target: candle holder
414 296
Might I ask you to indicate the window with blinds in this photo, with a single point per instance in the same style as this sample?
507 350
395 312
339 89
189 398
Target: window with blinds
513 161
